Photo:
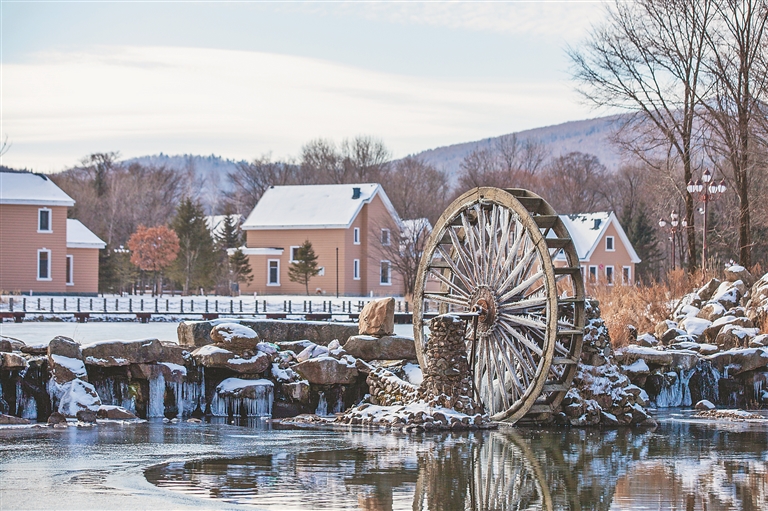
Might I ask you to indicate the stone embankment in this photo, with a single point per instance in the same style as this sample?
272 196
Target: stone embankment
710 348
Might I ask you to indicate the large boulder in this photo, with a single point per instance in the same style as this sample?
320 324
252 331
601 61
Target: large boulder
663 327
8 420
74 396
234 336
708 289
198 333
712 311
739 361
65 369
389 347
734 336
378 318
113 412
141 351
248 389
65 347
729 294
214 356
327 371
694 326
12 361
736 272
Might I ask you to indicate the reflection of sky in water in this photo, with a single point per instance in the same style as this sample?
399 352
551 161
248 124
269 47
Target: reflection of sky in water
683 465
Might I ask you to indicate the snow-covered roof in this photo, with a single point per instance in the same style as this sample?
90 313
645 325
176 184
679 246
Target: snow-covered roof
587 230
29 188
215 223
314 206
79 236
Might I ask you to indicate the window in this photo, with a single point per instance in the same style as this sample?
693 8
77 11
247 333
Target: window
70 271
44 220
385 237
609 275
356 269
273 272
356 235
294 254
593 274
321 271
626 275
609 244
43 264
385 274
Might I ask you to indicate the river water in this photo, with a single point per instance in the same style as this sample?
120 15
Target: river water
685 464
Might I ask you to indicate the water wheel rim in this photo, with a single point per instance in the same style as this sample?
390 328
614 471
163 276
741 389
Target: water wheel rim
479 280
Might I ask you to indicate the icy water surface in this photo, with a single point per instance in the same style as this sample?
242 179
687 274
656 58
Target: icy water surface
685 464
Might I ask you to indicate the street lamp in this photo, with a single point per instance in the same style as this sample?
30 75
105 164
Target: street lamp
707 190
674 222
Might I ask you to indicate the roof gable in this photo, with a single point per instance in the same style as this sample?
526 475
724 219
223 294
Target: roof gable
587 229
33 189
79 236
314 206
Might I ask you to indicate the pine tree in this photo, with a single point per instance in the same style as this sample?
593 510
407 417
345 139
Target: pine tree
305 267
240 267
196 264
230 233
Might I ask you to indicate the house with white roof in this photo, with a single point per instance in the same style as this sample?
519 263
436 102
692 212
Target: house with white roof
605 253
41 251
352 228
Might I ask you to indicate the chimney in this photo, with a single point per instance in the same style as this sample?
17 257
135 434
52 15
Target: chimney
355 193
597 223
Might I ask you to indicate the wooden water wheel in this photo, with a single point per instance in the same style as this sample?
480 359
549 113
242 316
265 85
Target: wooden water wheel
506 256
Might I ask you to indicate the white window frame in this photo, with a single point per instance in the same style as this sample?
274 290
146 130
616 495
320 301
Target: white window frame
389 273
356 236
628 280
71 270
290 253
269 268
613 244
356 269
584 274
40 251
612 279
389 237
595 273
50 220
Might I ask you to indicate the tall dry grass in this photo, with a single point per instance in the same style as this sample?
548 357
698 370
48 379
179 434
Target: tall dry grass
642 306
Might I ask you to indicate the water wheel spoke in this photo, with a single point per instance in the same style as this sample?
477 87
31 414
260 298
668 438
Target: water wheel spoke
526 320
525 303
512 277
518 386
522 286
523 340
437 274
500 373
462 276
510 257
448 299
527 365
473 248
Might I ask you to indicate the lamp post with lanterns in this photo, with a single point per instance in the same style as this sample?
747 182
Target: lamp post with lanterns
707 190
674 222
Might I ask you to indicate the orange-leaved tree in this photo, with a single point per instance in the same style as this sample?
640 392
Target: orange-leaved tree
153 249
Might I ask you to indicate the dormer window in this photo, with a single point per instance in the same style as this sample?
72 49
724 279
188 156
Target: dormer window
609 244
385 237
44 220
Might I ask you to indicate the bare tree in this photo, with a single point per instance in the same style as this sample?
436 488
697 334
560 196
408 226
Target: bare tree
251 180
575 183
648 58
403 248
417 189
366 159
322 163
736 100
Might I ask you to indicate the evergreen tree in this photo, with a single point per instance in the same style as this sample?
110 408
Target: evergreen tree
305 267
642 235
195 266
230 236
240 268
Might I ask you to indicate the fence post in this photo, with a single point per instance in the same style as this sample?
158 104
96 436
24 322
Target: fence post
105 305
130 304
51 304
156 310
38 304
181 306
289 306
78 305
10 303
310 306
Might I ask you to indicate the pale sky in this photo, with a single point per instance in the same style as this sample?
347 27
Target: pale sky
243 79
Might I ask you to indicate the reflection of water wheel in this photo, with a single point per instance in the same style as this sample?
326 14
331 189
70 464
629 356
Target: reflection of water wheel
499 252
507 475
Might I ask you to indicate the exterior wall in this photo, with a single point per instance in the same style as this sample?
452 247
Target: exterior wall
602 258
85 266
376 217
19 243
325 242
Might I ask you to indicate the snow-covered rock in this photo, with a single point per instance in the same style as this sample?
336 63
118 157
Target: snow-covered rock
234 336
214 356
74 396
389 347
114 353
735 336
326 370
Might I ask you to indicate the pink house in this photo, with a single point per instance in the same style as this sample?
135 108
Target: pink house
353 229
41 251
